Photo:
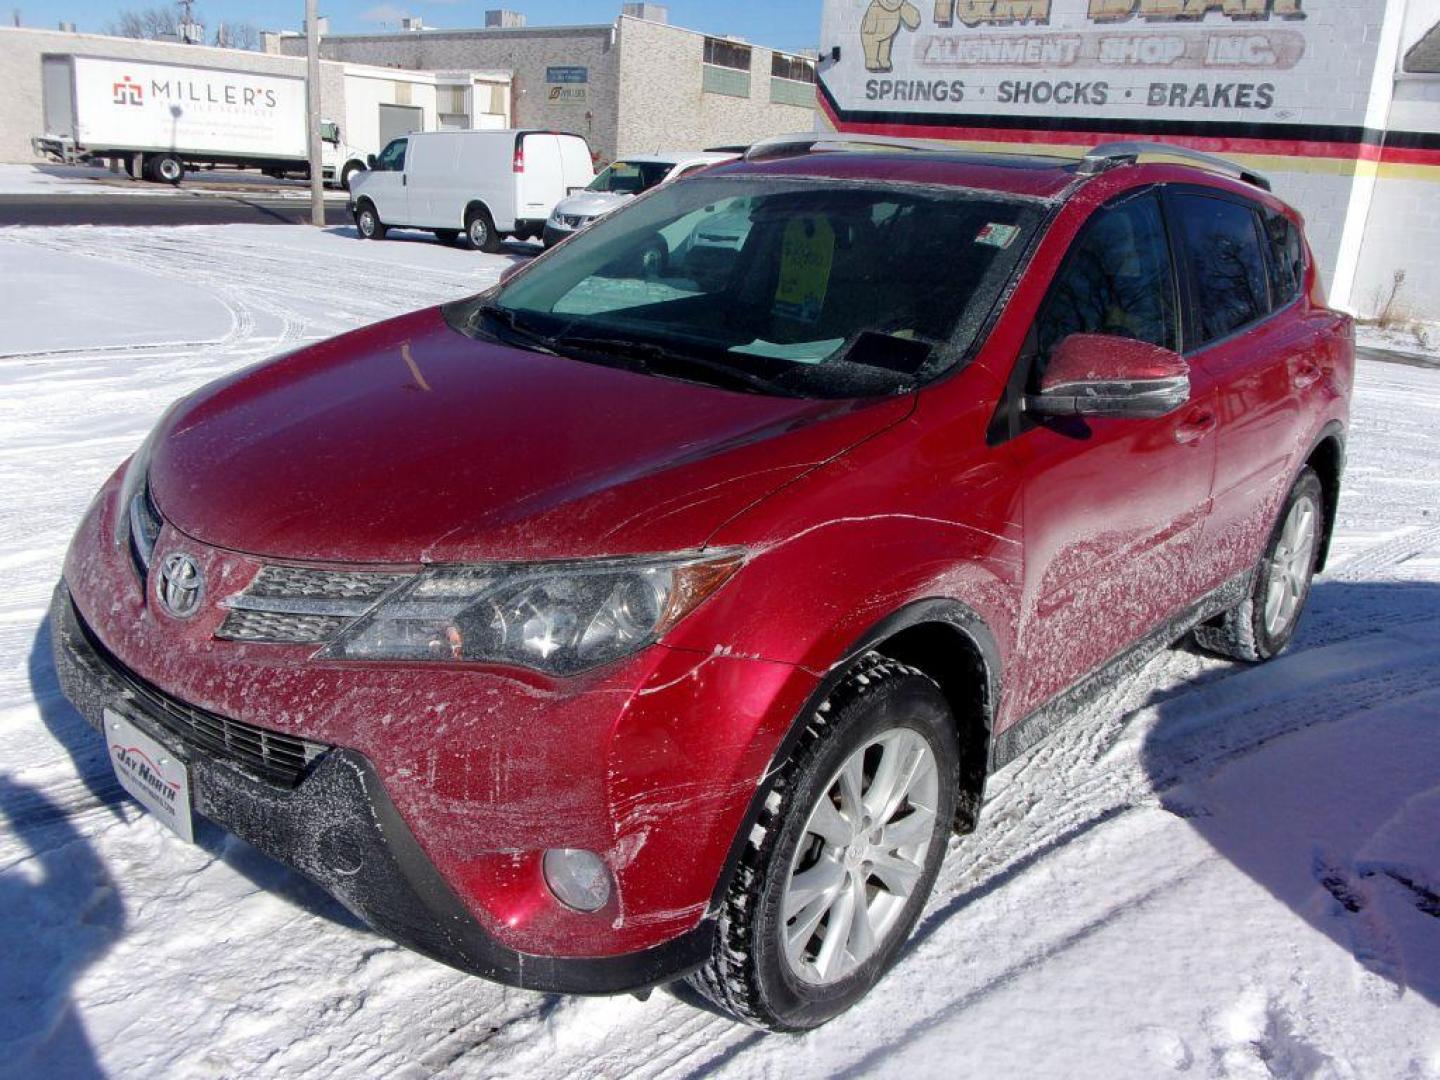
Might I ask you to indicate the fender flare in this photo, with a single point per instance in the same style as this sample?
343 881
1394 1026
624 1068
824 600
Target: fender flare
941 611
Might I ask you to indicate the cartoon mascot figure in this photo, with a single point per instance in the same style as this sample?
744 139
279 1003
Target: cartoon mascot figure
880 28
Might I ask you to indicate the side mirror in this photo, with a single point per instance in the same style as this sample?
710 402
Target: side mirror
370 161
1100 375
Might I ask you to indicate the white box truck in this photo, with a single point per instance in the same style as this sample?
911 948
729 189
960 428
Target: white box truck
162 118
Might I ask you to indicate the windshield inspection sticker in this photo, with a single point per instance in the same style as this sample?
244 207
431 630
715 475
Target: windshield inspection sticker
995 235
805 261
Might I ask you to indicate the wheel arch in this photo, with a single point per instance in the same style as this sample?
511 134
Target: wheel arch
470 208
1327 458
946 640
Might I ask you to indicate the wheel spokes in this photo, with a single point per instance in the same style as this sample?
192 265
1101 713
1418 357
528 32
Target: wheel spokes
822 881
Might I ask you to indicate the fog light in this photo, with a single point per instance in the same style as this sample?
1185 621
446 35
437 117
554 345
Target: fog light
578 878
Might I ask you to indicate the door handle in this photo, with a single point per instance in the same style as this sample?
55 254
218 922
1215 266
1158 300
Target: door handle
1195 427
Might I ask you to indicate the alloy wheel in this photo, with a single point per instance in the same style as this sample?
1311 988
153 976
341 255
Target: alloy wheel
860 858
1291 565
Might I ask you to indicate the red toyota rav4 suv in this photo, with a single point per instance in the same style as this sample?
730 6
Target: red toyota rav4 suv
661 611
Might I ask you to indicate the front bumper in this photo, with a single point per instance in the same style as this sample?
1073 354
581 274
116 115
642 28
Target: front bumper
553 235
339 827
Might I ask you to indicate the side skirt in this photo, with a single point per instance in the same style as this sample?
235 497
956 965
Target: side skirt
1027 732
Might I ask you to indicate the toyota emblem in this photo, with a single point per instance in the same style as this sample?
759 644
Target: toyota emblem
181 585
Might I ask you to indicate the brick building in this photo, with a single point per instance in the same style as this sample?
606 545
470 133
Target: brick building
636 85
1338 101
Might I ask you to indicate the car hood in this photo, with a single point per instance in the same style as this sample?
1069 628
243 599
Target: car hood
409 442
592 203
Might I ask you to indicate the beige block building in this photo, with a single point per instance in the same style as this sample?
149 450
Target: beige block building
637 85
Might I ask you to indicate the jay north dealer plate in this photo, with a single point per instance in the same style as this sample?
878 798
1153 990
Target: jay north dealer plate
151 773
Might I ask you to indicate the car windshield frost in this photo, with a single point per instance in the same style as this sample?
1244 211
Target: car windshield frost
806 287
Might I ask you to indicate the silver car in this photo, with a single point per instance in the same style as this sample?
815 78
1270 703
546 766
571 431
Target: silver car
620 182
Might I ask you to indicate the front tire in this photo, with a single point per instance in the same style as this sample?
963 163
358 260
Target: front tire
1263 624
368 223
844 855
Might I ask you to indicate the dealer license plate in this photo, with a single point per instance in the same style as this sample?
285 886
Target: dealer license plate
151 773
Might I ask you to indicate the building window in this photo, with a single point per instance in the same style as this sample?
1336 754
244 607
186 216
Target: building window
727 54
451 99
795 68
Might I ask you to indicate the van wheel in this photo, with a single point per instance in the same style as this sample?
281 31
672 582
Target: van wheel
447 236
368 223
480 228
844 855
166 169
348 173
1263 624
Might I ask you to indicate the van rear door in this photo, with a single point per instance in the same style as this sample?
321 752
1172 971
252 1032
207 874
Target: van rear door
541 184
577 162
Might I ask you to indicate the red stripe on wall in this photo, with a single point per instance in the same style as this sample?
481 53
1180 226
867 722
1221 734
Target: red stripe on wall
1279 147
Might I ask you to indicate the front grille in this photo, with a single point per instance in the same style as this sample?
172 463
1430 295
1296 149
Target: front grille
279 627
293 582
288 605
269 755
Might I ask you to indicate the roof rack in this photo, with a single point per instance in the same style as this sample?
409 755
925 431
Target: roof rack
1114 154
1097 160
805 141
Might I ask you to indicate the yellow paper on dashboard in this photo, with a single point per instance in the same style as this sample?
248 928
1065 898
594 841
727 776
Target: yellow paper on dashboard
806 256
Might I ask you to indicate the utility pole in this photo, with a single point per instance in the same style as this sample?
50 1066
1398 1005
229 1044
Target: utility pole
312 101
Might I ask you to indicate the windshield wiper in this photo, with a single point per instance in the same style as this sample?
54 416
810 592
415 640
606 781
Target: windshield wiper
647 356
532 339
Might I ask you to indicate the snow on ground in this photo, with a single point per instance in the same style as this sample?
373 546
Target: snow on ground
1219 871
1415 341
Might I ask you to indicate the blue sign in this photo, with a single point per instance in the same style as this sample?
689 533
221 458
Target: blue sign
567 75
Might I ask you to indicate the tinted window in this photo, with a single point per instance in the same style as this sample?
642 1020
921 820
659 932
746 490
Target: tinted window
1226 263
1287 258
1116 280
392 158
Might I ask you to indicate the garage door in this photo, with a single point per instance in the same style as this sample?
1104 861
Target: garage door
397 120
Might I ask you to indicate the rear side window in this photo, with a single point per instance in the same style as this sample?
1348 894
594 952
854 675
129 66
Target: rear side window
1117 280
1287 258
1227 265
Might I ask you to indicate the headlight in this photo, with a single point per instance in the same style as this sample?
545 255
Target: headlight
133 482
558 618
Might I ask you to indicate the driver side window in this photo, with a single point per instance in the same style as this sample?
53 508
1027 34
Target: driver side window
1117 279
392 158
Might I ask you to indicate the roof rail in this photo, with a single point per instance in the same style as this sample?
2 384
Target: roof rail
805 141
1114 154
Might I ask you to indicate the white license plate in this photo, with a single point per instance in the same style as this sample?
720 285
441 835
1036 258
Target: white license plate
151 773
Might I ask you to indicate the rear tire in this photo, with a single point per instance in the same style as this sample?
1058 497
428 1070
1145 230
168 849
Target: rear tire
1263 624
368 223
480 228
165 169
774 964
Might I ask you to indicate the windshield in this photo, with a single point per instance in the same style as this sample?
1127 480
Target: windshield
780 285
630 177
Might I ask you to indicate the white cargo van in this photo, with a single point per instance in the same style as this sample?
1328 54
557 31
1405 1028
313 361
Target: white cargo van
488 184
